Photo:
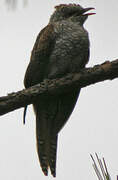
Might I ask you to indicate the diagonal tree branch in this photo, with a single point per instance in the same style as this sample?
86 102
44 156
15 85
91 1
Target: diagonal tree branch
54 87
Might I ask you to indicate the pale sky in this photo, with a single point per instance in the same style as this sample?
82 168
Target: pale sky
93 126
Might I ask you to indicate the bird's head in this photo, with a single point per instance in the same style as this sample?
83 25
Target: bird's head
70 11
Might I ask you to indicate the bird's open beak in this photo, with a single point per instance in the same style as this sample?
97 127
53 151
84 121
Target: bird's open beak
88 9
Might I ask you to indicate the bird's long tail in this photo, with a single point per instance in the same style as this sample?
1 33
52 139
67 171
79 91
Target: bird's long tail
51 115
47 150
46 136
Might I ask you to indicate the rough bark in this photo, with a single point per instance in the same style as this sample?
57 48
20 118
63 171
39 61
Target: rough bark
106 71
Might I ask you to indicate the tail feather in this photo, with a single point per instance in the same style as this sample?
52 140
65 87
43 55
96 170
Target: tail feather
42 143
51 115
46 138
47 150
53 153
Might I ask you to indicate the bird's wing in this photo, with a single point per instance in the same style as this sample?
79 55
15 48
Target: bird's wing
40 56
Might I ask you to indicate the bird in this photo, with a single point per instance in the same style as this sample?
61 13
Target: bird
61 47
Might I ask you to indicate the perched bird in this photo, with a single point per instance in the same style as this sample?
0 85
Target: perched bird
62 47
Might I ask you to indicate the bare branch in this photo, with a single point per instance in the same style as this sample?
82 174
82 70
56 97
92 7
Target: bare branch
54 87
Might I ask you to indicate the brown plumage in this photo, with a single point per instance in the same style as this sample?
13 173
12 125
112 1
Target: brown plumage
61 47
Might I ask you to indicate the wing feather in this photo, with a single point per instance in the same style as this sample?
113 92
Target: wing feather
39 60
